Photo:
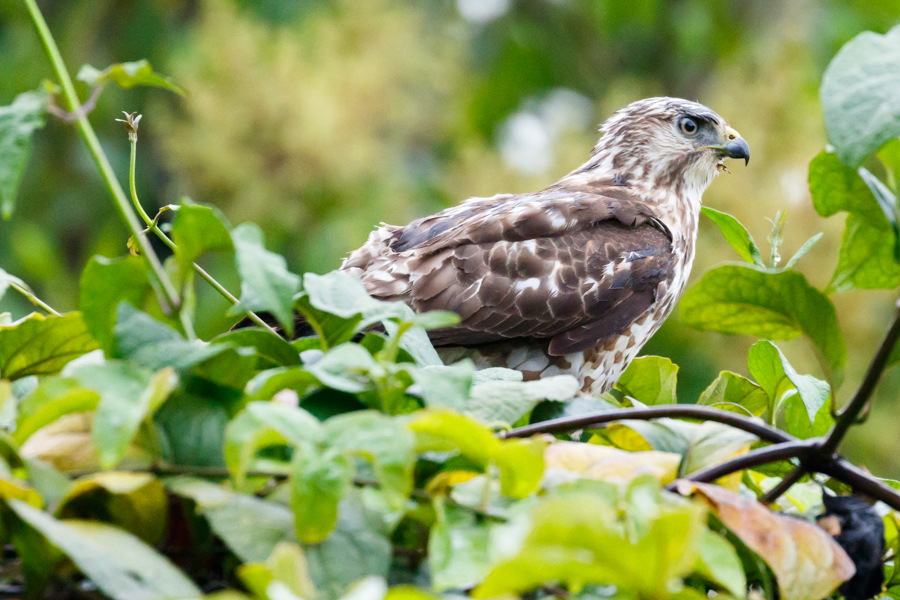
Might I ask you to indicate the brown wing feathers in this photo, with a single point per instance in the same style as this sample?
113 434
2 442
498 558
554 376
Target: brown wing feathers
570 265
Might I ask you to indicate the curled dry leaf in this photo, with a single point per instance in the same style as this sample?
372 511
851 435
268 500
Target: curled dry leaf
806 561
607 463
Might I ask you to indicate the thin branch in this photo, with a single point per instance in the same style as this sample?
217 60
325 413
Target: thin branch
100 158
784 485
860 481
25 291
566 424
849 415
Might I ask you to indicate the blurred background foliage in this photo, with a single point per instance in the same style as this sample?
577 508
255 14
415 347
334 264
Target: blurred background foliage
319 118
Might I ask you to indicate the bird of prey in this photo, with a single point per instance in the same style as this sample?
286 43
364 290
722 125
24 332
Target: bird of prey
574 278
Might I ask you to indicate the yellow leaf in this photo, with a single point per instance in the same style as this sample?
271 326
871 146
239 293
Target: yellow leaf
806 561
608 463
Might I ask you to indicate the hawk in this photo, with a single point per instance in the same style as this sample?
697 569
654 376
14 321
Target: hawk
574 278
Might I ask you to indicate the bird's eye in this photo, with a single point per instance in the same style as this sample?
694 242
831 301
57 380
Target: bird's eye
688 126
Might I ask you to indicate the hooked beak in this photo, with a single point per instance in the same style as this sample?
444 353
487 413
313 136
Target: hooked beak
736 146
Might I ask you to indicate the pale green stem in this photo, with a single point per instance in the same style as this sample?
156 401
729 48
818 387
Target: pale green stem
132 168
93 144
33 299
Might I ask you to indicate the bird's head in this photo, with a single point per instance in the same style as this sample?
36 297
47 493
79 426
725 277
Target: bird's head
668 141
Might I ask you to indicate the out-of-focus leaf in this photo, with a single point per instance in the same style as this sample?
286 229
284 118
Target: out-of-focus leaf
18 122
192 429
384 441
6 280
52 399
736 235
859 95
345 368
12 487
781 306
119 564
135 502
104 284
128 396
263 424
776 376
458 550
521 462
730 390
611 464
806 561
578 406
651 380
718 562
39 345
197 229
268 383
249 526
577 538
868 250
272 350
127 75
286 565
150 343
889 155
319 479
266 284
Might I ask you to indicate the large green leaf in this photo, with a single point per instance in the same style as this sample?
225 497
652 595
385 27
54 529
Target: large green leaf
127 75
868 250
861 95
718 562
18 122
39 345
198 229
266 283
55 397
458 550
736 235
272 350
105 283
650 380
781 306
192 427
122 566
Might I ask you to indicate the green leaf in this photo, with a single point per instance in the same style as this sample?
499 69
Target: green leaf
39 345
18 122
264 424
266 384
776 376
859 95
346 368
266 284
836 187
866 260
136 502
718 562
286 565
319 479
127 75
736 235
55 397
458 550
889 155
650 380
249 526
150 343
6 280
806 247
129 394
436 319
730 390
121 565
192 429
384 441
197 229
781 306
105 283
271 349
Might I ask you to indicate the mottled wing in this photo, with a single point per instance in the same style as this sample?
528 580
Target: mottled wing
567 265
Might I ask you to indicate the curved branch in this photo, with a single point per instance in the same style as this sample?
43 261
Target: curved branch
754 458
860 481
566 424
